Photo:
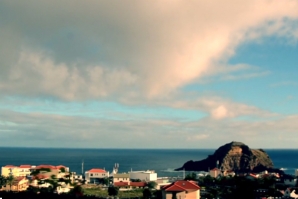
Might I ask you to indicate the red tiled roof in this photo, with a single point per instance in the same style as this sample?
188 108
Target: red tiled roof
40 176
19 178
215 169
181 185
137 184
97 171
10 166
121 184
45 166
253 175
60 166
25 166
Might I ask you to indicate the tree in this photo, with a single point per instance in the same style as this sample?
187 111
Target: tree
77 191
147 193
35 172
151 185
69 176
208 180
9 181
2 181
113 191
191 176
158 194
106 181
62 169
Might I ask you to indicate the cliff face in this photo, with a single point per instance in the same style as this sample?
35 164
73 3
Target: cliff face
234 156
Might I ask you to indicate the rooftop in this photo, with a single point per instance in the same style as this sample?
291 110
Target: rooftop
181 185
96 170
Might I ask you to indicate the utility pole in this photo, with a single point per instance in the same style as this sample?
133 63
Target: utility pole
82 167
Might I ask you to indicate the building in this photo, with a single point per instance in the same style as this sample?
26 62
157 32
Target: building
215 172
18 184
181 189
95 176
60 168
59 171
17 171
143 175
290 193
229 173
121 177
26 170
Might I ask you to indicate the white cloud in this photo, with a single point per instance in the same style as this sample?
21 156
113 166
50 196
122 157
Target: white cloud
99 49
195 138
220 112
136 53
44 130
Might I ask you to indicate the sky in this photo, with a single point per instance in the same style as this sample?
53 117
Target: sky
148 74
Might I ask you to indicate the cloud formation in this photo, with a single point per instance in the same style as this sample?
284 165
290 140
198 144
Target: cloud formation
139 55
39 130
76 50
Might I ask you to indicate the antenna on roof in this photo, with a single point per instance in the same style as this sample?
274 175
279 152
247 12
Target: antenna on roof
115 169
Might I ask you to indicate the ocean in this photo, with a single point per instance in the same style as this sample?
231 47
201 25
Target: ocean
163 161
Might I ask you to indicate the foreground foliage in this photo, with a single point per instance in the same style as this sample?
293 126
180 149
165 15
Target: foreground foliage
135 193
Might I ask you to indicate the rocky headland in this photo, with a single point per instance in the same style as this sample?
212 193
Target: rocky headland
234 156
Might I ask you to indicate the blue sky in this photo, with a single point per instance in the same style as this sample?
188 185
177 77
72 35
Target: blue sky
110 74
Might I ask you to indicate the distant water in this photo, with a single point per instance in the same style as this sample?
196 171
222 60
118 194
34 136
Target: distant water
163 161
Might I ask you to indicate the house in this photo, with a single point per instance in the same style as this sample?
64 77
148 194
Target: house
9 170
19 184
147 176
121 177
229 173
49 170
95 175
214 172
290 193
62 189
18 171
181 189
26 170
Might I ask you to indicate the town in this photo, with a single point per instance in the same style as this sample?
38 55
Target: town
60 180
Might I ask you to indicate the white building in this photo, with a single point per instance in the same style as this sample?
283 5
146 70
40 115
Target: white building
121 177
296 172
143 175
95 176
214 172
